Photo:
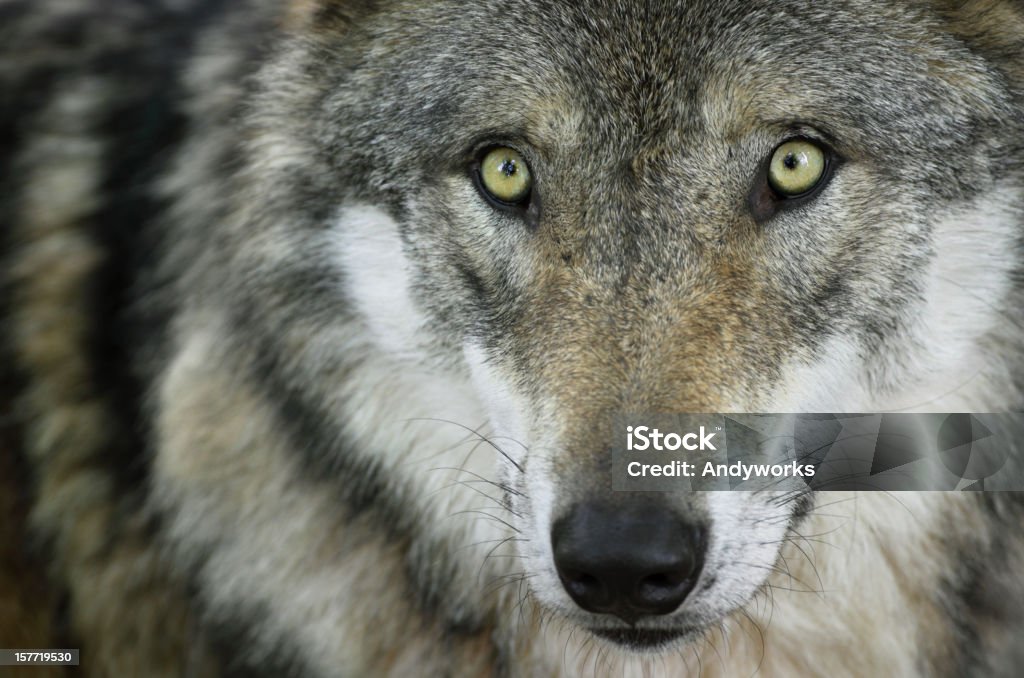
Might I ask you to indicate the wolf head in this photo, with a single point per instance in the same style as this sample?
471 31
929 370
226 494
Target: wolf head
570 211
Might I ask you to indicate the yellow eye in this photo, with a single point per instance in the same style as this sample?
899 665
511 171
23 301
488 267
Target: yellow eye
796 167
505 175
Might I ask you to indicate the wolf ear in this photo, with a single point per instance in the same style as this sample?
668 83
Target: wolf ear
993 29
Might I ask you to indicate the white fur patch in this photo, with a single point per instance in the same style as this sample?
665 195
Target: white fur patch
424 423
378 278
503 406
941 366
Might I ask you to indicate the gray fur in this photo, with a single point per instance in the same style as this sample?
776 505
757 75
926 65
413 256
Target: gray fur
283 373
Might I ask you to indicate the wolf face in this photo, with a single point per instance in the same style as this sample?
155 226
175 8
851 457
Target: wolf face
650 256
408 261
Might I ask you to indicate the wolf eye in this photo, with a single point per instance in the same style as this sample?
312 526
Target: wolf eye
796 168
505 176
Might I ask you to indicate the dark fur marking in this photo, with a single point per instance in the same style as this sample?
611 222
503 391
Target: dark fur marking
978 589
324 457
145 128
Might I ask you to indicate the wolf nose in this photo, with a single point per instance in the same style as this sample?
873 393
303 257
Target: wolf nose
630 560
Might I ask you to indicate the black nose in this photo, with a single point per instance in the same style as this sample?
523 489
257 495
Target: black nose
629 560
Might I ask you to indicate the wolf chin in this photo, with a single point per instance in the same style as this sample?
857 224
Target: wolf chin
316 314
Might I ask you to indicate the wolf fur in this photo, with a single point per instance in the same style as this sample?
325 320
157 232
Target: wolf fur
283 393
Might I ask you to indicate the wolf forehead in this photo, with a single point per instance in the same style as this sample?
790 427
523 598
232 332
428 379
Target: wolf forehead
638 80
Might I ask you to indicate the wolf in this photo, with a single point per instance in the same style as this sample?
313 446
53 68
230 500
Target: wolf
316 315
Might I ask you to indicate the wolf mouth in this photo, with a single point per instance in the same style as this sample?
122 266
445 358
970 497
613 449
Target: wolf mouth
643 639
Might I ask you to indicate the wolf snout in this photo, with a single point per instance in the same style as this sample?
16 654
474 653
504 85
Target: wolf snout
630 560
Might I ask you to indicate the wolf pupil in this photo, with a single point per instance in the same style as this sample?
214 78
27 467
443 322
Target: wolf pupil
790 161
508 168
